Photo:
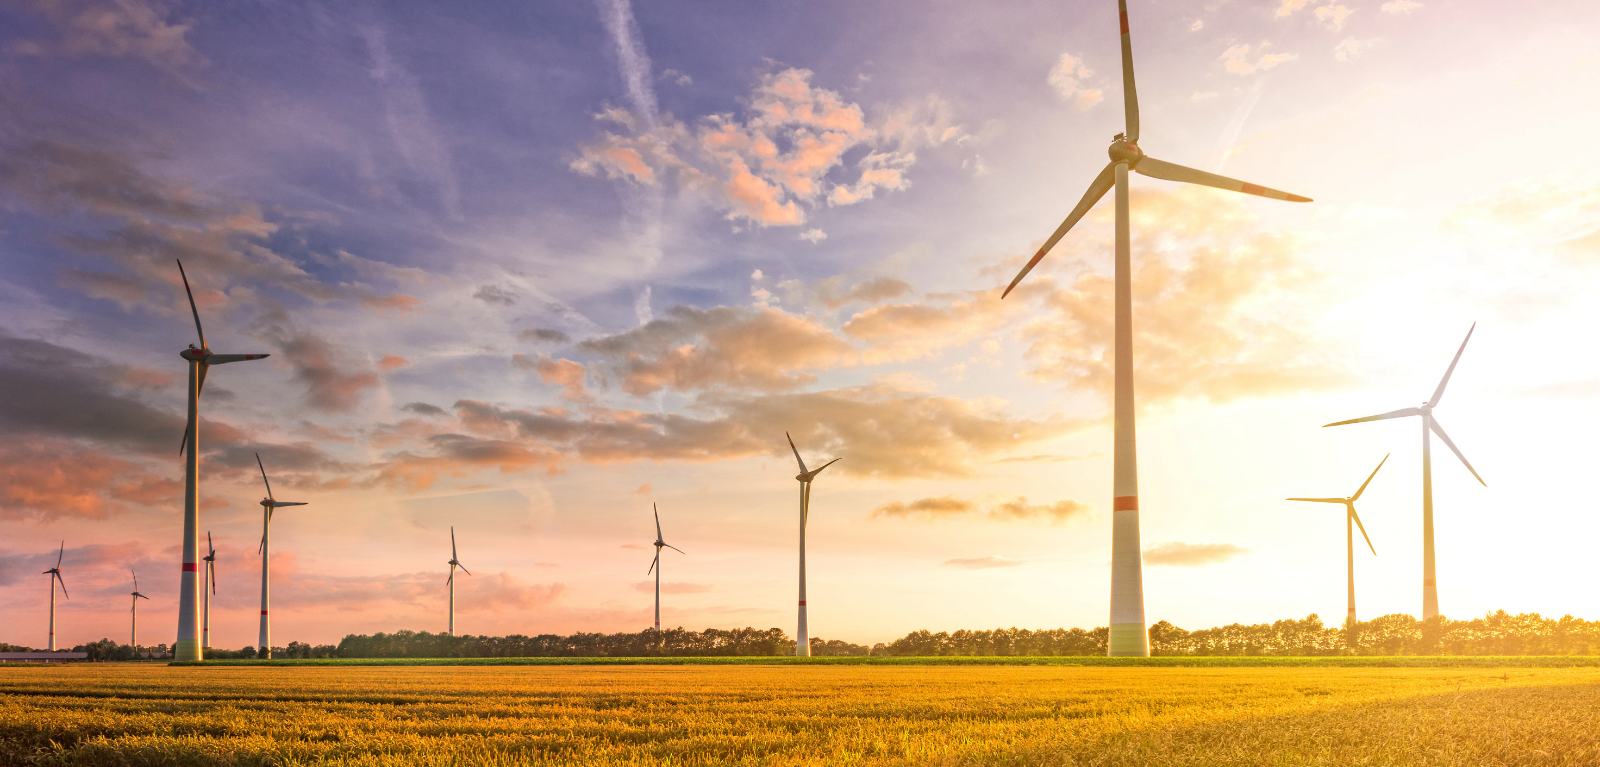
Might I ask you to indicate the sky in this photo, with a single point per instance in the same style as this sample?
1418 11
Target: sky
527 269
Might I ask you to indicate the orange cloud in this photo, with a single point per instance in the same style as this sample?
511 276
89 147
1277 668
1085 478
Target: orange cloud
1191 554
982 563
45 479
391 362
398 303
950 506
931 508
569 375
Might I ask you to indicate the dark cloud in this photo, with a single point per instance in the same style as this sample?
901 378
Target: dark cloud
55 391
423 408
543 335
494 294
334 377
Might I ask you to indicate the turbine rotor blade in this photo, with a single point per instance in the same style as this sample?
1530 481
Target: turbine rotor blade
1357 518
674 548
658 520
223 359
63 586
1154 168
1439 392
200 387
1097 189
61 553
1433 423
453 555
1401 413
264 476
824 466
1130 95
1368 482
796 450
1317 500
192 308
654 562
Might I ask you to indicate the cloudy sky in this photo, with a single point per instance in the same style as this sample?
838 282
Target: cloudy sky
525 269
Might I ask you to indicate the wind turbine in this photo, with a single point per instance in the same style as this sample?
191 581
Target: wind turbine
802 647
1430 591
656 566
1349 536
200 361
55 575
451 581
210 575
264 647
136 597
1128 635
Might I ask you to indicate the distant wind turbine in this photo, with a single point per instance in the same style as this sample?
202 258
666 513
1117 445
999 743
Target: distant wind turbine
656 565
210 575
264 648
451 581
136 597
55 575
802 646
200 360
1430 591
1349 536
1128 635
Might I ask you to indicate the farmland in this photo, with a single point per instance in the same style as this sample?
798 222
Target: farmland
798 714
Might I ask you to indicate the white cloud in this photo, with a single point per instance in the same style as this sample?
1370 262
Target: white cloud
1287 7
1068 76
1333 15
813 235
1400 6
1179 554
1350 48
1206 96
1237 59
1197 25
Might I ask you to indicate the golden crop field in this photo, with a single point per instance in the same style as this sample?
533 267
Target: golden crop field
798 715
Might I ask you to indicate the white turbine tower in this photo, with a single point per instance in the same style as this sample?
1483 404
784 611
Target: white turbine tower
451 581
1349 537
264 646
1430 591
136 597
55 575
200 361
655 566
211 576
802 647
1128 635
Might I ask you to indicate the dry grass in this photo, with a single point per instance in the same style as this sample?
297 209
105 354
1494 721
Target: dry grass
833 715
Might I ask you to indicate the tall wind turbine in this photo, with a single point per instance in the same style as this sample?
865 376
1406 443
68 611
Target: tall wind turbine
656 567
1349 536
136 597
55 575
200 361
451 581
1430 591
802 645
1128 635
264 646
210 575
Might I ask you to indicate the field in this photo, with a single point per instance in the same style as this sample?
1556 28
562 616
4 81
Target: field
796 714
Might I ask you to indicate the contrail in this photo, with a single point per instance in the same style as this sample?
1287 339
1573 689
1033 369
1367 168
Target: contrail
617 15
1230 134
634 65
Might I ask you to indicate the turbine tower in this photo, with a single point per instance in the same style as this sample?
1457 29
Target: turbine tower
264 648
136 597
802 647
451 581
210 575
1128 635
1430 591
656 565
1349 537
55 575
200 361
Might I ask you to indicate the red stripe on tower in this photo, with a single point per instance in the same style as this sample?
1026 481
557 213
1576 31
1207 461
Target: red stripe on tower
802 603
190 567
1125 503
263 612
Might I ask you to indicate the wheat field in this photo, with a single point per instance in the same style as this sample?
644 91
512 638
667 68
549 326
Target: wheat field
798 715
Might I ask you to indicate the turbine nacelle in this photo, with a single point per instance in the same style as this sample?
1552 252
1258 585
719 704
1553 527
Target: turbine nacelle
193 354
1123 150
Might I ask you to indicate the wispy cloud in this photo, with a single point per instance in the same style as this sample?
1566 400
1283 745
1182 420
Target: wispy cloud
1178 554
410 126
982 563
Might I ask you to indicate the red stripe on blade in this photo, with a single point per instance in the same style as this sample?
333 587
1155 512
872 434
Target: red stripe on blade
1124 15
1125 503
1249 188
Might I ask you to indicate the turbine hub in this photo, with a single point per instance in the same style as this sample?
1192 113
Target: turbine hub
1123 150
194 355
